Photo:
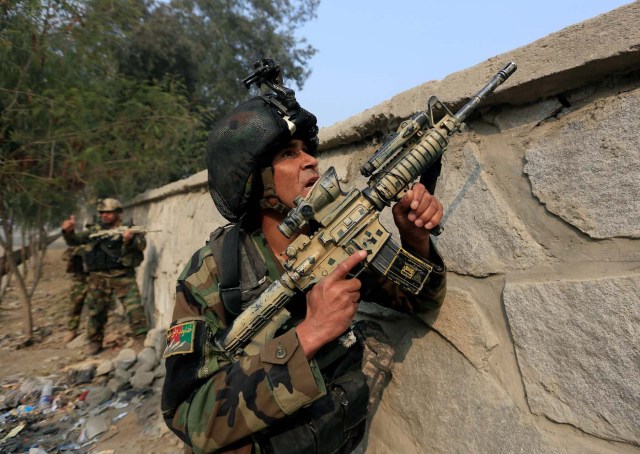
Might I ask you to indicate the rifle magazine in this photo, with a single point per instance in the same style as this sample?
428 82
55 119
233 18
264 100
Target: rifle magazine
402 267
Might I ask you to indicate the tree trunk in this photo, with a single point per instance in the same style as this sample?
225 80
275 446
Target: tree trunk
24 255
40 246
5 278
23 294
25 298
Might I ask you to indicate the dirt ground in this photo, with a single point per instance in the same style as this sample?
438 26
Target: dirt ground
134 419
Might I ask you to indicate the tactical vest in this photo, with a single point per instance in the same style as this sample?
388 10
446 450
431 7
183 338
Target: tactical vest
105 254
334 423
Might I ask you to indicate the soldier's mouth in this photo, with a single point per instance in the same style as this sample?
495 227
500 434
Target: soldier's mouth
311 182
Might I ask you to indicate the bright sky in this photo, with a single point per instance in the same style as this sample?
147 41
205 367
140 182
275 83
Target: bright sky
371 50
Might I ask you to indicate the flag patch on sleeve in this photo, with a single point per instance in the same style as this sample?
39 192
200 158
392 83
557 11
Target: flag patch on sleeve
180 339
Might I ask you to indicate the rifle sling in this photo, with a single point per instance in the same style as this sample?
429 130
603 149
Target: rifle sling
229 270
242 274
430 176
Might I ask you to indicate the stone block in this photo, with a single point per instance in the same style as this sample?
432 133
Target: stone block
586 168
149 357
461 321
95 425
117 384
577 348
142 379
125 358
439 402
98 395
482 235
104 367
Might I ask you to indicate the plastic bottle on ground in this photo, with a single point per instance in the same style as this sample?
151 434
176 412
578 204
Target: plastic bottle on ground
46 395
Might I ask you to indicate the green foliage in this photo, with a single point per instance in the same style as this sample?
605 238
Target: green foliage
112 97
209 46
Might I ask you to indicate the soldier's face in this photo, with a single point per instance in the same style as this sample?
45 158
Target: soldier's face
294 171
109 217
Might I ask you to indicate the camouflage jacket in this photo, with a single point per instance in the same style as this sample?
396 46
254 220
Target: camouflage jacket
127 255
229 402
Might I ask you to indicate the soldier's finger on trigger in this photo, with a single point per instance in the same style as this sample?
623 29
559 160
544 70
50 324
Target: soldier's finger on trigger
347 265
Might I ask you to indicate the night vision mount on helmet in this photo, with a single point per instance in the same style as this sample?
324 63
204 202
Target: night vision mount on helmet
241 145
269 74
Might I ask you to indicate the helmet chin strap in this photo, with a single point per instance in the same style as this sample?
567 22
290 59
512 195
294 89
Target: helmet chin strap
270 192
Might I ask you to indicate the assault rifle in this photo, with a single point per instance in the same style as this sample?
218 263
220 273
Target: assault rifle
349 221
117 231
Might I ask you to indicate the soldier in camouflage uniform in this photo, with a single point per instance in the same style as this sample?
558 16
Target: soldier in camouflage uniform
111 262
305 391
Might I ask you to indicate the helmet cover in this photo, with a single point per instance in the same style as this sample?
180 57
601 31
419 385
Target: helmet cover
242 143
109 204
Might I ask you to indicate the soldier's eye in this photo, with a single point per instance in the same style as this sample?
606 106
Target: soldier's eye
286 153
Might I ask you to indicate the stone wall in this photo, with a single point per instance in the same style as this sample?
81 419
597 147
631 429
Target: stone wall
537 347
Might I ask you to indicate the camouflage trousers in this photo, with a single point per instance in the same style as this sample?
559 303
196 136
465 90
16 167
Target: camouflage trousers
77 295
102 290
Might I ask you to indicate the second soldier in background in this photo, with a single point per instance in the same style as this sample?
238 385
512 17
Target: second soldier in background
110 260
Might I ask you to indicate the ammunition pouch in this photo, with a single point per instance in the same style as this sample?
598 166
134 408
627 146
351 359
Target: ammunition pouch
333 424
132 259
104 255
336 422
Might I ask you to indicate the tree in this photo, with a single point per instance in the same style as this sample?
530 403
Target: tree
71 123
112 97
211 45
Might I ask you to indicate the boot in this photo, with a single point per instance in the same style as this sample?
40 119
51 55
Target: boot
71 335
94 348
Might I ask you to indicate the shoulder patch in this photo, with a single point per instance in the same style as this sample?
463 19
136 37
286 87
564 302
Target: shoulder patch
180 339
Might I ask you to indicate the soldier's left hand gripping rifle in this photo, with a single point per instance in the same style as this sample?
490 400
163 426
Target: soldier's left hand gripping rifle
349 221
117 231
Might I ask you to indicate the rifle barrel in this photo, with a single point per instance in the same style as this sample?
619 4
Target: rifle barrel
494 83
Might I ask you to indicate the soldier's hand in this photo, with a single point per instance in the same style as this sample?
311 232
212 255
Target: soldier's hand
415 214
331 305
69 224
127 235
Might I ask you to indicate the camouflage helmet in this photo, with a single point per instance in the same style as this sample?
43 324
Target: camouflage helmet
109 204
243 142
